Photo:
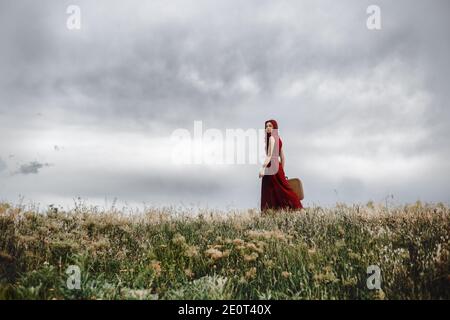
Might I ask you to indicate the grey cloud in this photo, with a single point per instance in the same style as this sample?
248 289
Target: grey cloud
32 167
133 68
147 75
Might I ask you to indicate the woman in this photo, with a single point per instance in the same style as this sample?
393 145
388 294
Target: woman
275 190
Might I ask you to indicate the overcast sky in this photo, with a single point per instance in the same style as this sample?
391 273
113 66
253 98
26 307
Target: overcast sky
89 113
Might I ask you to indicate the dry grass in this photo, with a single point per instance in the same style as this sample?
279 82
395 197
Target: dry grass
317 253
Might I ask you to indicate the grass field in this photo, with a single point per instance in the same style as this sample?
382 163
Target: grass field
319 253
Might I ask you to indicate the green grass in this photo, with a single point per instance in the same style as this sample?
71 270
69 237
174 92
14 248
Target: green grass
318 253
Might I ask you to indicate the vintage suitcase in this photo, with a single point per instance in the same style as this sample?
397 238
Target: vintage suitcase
297 186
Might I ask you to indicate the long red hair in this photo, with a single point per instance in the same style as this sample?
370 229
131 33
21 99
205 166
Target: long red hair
274 133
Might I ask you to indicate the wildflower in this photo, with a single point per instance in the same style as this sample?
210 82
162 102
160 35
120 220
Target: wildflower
178 239
214 253
380 295
255 234
261 244
350 282
188 272
226 253
251 274
269 264
252 246
326 277
328 269
191 251
156 266
278 235
275 234
242 280
251 257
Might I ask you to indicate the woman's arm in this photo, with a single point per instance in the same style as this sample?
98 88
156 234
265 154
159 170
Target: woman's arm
283 159
268 157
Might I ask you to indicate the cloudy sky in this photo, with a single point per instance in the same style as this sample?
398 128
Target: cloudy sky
89 113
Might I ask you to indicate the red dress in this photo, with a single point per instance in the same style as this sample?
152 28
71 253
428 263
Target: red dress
276 192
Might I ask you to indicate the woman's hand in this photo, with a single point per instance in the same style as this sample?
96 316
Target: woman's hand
261 172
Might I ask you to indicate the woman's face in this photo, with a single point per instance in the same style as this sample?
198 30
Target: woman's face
269 127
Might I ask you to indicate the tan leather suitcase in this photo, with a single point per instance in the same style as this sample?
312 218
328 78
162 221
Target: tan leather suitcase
297 186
